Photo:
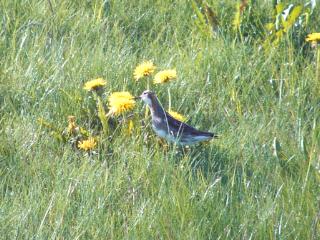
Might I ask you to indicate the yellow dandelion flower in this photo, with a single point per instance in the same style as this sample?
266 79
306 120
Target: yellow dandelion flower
165 76
87 144
143 69
94 84
71 126
313 37
177 116
121 102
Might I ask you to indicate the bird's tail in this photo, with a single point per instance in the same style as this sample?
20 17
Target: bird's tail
209 134
214 135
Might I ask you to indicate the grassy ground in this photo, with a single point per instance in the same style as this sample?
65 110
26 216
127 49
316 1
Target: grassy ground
235 187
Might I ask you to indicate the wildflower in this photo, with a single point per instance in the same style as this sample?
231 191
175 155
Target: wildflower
177 116
71 126
94 84
87 144
165 76
313 37
121 102
143 70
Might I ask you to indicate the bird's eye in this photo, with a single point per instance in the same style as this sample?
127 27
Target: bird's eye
144 93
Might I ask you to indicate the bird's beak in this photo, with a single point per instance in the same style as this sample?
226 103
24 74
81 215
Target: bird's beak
136 98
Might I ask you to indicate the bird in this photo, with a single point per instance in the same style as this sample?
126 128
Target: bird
171 129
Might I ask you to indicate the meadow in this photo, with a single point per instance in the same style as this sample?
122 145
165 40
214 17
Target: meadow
236 76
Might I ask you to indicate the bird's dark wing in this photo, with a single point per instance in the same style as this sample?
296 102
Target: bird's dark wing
183 127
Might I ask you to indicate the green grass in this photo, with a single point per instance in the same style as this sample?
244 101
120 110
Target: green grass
130 187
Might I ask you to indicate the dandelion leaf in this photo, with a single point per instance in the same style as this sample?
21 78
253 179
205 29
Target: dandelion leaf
132 124
276 42
84 132
57 135
198 24
292 17
279 33
279 8
202 28
269 26
47 124
102 116
198 12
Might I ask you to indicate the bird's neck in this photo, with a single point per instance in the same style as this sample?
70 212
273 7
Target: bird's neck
155 107
157 110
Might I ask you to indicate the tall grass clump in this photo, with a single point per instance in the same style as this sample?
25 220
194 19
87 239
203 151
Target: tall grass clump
79 158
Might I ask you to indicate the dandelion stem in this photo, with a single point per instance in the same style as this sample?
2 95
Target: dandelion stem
147 108
317 67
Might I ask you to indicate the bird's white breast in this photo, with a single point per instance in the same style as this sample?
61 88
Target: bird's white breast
147 101
163 134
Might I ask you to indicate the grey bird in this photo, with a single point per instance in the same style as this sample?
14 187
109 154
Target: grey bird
169 128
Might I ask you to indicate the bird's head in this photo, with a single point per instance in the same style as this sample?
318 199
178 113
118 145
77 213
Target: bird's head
149 98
